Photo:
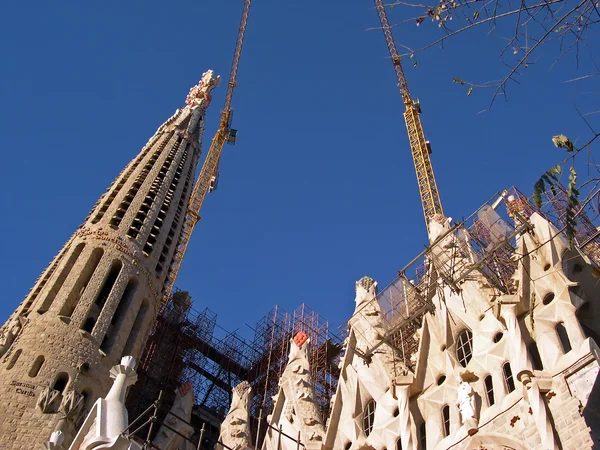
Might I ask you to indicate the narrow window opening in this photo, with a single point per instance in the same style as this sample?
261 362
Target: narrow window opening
489 390
508 377
109 283
563 336
139 181
498 337
441 379
14 359
36 366
136 329
61 279
89 324
446 420
423 436
80 285
464 348
369 417
536 358
61 382
119 316
399 444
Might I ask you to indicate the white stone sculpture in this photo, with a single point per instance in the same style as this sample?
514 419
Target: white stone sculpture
235 430
466 405
108 418
55 442
167 439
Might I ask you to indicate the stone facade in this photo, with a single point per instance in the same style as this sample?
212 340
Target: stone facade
98 299
485 368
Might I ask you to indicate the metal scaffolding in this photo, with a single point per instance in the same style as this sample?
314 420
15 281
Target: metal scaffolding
481 247
189 346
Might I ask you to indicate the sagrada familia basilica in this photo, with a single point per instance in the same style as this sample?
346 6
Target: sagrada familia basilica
486 340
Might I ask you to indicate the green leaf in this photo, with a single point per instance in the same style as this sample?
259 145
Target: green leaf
476 15
459 81
469 91
415 63
561 141
549 178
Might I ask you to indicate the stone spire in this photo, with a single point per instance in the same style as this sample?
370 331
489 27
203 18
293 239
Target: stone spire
98 298
235 429
297 412
178 419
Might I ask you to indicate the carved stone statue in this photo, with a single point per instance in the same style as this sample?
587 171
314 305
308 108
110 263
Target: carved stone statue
8 334
167 439
466 405
235 430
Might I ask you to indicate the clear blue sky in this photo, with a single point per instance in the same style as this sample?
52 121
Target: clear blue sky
320 188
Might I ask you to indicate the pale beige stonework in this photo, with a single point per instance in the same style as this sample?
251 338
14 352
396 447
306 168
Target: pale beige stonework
98 299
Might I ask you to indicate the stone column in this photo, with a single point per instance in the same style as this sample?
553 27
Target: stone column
116 413
401 387
521 367
538 408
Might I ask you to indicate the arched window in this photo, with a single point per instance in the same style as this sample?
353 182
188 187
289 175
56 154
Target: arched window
446 420
422 436
464 347
489 389
508 377
14 359
37 365
563 336
369 417
61 382
536 359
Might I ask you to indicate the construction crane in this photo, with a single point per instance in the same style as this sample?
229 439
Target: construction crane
420 148
209 174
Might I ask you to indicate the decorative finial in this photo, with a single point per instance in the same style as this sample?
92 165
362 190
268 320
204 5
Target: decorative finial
366 282
200 94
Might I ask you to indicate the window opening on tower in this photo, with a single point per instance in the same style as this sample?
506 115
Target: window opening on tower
174 223
36 366
14 359
142 214
134 333
118 317
122 179
164 209
82 282
137 184
102 297
47 301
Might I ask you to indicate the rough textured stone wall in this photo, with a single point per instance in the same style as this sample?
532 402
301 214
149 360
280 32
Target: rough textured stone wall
72 330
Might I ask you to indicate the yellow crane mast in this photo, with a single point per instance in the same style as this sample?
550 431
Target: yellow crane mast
420 148
208 178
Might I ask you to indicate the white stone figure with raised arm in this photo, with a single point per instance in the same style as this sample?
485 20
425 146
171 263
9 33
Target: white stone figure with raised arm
466 405
235 429
167 439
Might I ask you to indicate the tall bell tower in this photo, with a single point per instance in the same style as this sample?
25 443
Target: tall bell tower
98 299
